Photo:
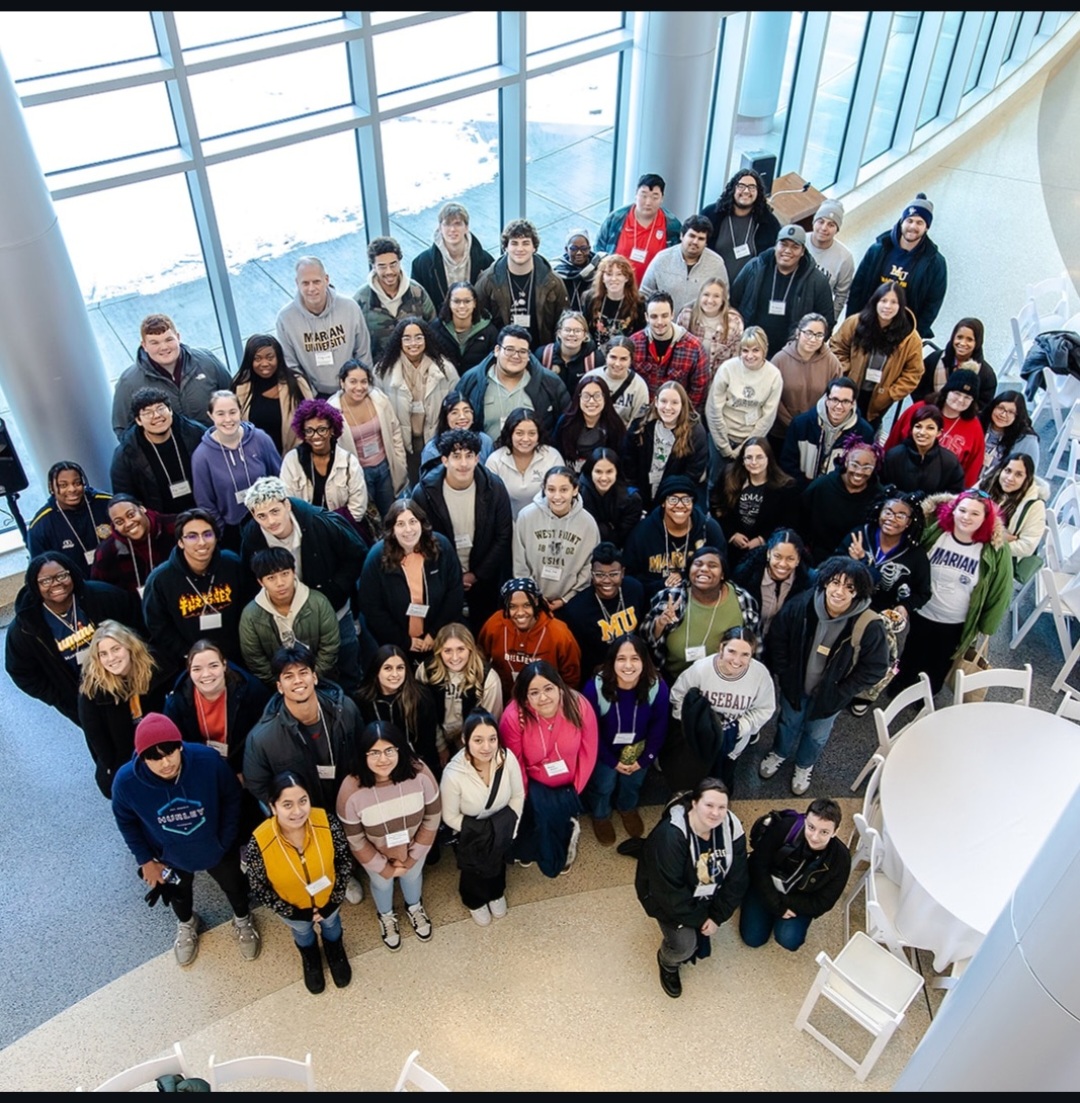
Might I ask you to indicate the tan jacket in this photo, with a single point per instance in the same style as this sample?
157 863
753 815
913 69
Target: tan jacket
288 437
902 372
393 442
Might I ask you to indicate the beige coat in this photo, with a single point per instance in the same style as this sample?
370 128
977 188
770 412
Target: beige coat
390 428
902 372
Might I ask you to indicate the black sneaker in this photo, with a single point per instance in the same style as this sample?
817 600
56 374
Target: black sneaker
669 979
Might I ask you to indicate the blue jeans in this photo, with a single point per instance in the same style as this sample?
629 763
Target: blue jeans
380 486
756 923
796 735
382 888
303 930
605 781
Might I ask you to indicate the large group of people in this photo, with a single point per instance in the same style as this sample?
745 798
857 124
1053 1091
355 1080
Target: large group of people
464 558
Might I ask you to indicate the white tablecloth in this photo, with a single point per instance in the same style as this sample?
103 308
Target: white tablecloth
968 796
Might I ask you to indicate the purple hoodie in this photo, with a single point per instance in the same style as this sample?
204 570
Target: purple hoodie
220 473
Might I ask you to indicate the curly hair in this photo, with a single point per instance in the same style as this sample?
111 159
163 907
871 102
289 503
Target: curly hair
854 443
97 680
913 499
631 300
475 672
391 354
312 408
759 211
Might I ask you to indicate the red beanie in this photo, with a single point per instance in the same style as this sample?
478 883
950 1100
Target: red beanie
154 728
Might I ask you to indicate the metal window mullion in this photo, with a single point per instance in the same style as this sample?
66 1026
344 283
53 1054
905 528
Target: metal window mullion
731 60
1029 26
967 42
369 153
927 43
622 126
512 117
995 52
804 87
863 98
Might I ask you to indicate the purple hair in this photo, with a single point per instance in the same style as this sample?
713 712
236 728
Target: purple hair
317 407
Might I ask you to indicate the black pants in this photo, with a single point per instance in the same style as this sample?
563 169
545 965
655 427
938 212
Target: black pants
929 648
229 876
476 891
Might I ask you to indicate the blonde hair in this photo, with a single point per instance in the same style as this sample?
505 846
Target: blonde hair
755 335
687 419
474 673
97 680
697 318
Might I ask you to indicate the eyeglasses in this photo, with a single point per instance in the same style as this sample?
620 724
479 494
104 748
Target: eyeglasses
577 249
812 335
160 410
546 691
591 396
317 431
195 537
463 302
412 338
746 187
607 576
840 402
513 353
684 500
390 752
896 516
54 580
861 466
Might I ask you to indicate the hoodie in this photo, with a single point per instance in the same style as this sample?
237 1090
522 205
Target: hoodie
652 552
382 312
555 551
318 344
222 474
803 380
75 532
812 443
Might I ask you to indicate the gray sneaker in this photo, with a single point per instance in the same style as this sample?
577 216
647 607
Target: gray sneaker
391 935
186 946
572 848
247 938
770 764
421 924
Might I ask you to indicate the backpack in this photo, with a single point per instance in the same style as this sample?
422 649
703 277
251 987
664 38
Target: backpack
763 823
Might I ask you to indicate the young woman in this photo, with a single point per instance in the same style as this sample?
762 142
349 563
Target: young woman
411 582
269 391
754 498
466 334
920 462
456 412
319 470
573 353
589 422
390 807
298 864
806 364
74 518
392 695
483 796
715 322
672 441
461 681
554 538
630 700
744 396
773 573
522 457
374 434
551 731
141 540
1007 429
835 503
614 306
1022 501
964 350
629 392
121 683
604 493
880 349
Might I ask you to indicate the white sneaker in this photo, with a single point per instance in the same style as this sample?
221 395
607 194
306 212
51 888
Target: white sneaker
354 891
186 946
391 935
247 938
801 781
498 907
770 764
421 924
571 850
481 916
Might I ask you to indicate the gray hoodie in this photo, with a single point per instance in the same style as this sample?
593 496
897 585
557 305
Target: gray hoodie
828 629
319 344
555 551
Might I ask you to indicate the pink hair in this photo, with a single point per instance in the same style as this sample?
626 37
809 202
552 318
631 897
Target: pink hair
946 510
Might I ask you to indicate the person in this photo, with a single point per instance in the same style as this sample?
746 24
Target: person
614 506
755 497
642 229
798 871
298 864
390 807
961 430
692 875
630 700
1007 429
964 350
658 551
683 269
687 621
216 702
483 797
774 573
520 288
466 335
821 665
523 632
573 352
140 540
613 306
665 352
905 255
806 365
284 611
613 606
834 504
512 378
880 350
830 254
269 391
411 582
589 422
577 267
455 256
187 375
971 583
918 461
813 442
723 701
470 507
198 592
780 286
74 519
521 457
309 728
413 375
152 462
743 225
461 680
390 295
744 396
120 684
177 806
320 329
554 537
1021 498
456 412
229 460
320 470
374 435
711 319
671 443
551 730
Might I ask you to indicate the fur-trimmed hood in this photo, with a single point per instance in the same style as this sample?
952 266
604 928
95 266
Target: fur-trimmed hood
932 502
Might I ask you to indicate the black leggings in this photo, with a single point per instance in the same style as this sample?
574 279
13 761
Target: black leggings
930 648
229 876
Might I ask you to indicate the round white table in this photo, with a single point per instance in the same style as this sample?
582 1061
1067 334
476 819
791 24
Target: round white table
968 796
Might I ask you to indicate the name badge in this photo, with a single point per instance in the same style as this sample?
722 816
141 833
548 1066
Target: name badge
463 541
556 768
552 573
82 657
209 620
415 609
741 251
823 650
637 256
695 653
240 496
370 448
326 773
521 320
749 417
776 306
180 488
318 886
324 359
221 748
89 556
416 408
873 375
704 890
397 838
622 738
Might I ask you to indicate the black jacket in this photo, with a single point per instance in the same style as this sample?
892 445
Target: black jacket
428 270
904 578
764 235
809 292
638 451
134 472
816 892
479 345
938 472
615 513
650 553
925 285
421 735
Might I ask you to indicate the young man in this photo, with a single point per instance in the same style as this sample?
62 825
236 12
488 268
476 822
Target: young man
813 440
390 295
743 227
830 254
682 270
189 376
664 351
642 229
456 257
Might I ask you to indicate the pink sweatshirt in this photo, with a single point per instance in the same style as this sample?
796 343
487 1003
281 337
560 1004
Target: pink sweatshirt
537 743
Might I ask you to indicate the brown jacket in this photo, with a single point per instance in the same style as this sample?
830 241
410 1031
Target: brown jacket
900 376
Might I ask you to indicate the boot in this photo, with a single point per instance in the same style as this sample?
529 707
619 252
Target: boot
338 960
313 971
670 980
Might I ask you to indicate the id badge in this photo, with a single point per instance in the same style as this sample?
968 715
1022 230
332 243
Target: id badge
326 773
416 408
240 496
556 768
741 251
873 375
415 609
180 489
776 306
823 650
370 448
704 890
749 417
554 574
82 657
463 541
623 738
521 320
397 838
318 886
207 621
637 256
89 556
324 359
695 653
221 748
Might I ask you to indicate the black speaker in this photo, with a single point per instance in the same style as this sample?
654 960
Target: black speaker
764 164
12 477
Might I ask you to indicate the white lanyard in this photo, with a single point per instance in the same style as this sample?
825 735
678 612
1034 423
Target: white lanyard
204 598
302 871
135 562
203 726
231 463
87 554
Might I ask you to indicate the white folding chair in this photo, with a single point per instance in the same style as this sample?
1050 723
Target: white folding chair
1070 704
998 678
919 692
173 1063
1051 299
261 1067
868 984
1067 440
412 1073
883 903
1055 593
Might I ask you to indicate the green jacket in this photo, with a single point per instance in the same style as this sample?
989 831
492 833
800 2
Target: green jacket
315 624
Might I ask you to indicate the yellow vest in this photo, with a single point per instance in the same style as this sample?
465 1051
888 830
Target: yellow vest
289 871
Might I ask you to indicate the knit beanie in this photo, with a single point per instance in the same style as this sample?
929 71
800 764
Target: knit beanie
154 728
920 207
833 210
